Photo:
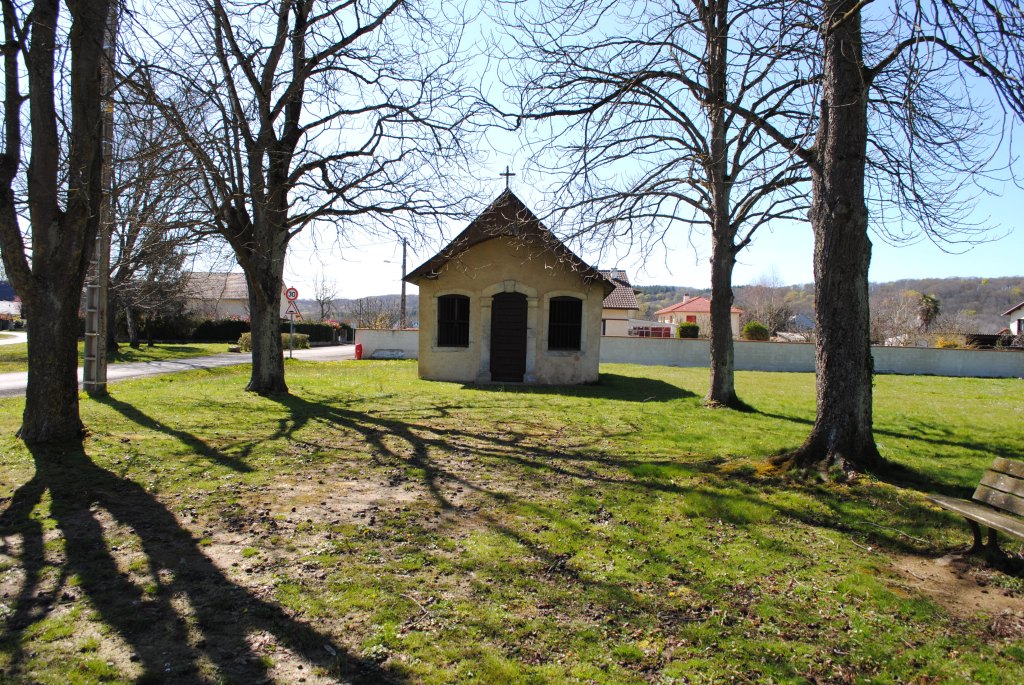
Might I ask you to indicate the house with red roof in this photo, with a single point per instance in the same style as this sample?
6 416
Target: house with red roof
696 310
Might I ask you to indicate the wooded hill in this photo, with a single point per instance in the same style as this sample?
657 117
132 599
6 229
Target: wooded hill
981 301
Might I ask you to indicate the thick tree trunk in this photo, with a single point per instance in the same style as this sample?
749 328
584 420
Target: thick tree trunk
51 284
722 390
51 397
265 320
842 434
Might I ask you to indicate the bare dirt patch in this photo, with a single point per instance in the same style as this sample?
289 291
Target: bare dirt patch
965 589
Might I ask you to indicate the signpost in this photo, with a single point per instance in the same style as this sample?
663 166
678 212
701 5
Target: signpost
292 294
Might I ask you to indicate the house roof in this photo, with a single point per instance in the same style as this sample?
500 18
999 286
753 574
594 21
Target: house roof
623 297
507 216
693 305
7 293
214 285
1011 310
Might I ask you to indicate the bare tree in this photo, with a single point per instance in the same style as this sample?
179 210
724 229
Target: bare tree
901 132
380 313
765 301
325 292
300 112
62 189
159 220
893 319
644 138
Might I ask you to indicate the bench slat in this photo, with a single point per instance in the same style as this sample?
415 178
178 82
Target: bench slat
1008 466
1003 483
999 499
1004 523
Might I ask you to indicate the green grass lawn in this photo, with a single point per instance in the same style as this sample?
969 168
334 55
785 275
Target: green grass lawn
372 527
15 357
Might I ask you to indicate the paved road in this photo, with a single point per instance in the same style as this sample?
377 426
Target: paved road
13 337
13 384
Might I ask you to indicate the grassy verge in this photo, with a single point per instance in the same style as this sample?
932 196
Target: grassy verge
15 357
372 527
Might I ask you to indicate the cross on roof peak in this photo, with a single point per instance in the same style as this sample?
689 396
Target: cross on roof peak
508 176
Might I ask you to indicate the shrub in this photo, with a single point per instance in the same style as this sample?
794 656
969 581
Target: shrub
689 330
755 331
945 343
301 341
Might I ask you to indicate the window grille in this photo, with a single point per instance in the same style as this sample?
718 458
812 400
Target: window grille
565 322
453 321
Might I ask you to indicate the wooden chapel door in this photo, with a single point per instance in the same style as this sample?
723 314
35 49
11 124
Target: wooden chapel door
508 337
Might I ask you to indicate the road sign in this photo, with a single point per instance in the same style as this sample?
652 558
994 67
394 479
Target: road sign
292 294
292 310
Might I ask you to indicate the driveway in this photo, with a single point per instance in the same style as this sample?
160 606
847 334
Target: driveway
13 384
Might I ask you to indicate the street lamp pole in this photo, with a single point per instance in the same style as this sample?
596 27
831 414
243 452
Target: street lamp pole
401 319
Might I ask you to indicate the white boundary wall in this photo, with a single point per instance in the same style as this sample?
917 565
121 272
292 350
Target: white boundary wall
388 344
750 356
769 356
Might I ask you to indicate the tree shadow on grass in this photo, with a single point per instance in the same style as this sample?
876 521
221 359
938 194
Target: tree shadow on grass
611 386
190 623
193 442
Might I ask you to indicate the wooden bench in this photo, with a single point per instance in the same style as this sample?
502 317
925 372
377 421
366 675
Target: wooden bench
998 504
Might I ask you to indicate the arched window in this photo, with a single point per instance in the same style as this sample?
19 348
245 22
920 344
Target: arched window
453 321
565 322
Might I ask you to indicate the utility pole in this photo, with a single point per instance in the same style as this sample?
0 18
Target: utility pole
401 316
94 373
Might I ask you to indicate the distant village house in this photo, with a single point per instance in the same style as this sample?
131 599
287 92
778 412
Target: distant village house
696 310
1016 315
620 306
219 295
10 303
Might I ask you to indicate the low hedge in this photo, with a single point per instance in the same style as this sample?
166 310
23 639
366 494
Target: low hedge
301 342
183 329
317 332
220 330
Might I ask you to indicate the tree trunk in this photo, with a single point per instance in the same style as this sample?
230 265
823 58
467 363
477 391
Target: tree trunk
133 328
722 390
51 397
265 284
842 434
